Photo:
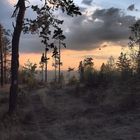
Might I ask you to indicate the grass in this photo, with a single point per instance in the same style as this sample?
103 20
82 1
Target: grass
72 113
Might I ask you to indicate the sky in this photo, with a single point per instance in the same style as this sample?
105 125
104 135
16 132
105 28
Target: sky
102 31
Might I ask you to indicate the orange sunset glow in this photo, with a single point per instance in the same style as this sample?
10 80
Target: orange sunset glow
72 58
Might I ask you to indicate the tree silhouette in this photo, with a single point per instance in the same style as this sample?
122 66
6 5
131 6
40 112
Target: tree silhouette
111 64
103 68
42 66
81 71
56 62
58 35
88 71
124 65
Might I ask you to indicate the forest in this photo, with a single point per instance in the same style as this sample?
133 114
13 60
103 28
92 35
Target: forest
82 101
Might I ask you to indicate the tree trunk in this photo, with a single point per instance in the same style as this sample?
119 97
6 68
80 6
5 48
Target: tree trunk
55 65
1 55
59 66
5 64
46 65
42 72
15 56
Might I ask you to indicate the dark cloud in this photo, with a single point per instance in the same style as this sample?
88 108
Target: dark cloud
84 33
115 24
87 2
106 25
131 7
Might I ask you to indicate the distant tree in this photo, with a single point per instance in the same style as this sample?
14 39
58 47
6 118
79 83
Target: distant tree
58 35
81 71
56 62
111 64
103 68
108 70
103 73
42 66
124 65
88 71
46 64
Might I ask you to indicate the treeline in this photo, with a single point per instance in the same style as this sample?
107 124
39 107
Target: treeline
124 69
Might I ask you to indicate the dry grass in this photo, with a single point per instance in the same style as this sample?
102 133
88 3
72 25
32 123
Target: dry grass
48 114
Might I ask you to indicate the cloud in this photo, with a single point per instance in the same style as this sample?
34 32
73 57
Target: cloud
84 32
87 2
105 25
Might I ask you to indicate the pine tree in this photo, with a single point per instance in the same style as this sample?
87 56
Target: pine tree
58 35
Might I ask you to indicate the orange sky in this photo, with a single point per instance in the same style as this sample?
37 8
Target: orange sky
72 58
